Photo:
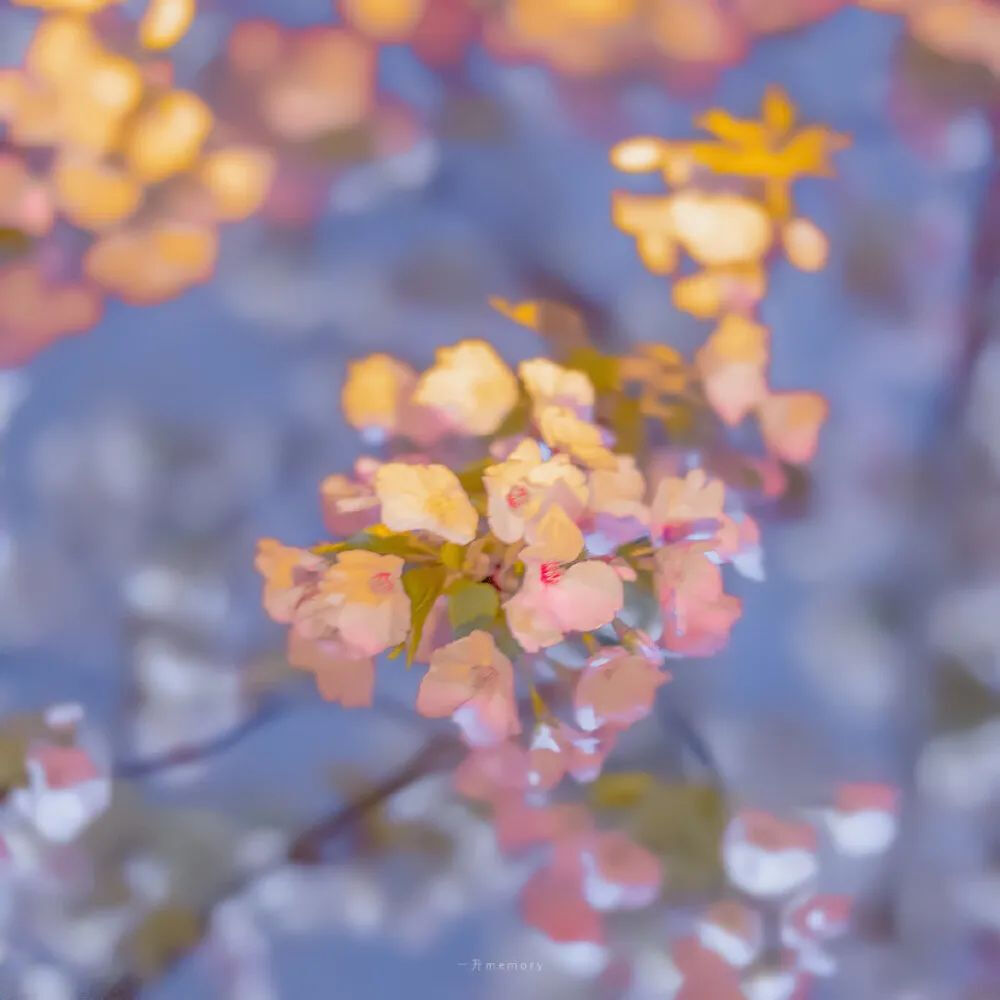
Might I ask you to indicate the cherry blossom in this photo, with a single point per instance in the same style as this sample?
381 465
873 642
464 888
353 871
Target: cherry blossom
66 791
616 688
361 597
585 442
808 923
473 682
343 674
349 504
558 749
697 614
791 422
470 385
522 487
289 575
555 599
618 874
733 366
734 931
766 856
425 498
704 973
550 384
686 507
864 818
553 899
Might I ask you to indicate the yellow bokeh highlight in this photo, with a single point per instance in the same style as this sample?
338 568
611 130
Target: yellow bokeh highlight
383 20
165 23
152 263
92 194
238 179
167 136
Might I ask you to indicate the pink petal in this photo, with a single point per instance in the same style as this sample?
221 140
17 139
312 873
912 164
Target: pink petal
588 596
616 688
620 874
342 674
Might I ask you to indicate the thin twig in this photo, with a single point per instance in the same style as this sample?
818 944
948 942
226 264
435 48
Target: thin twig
439 753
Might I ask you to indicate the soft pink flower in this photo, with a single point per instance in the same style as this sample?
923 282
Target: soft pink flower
864 818
704 973
732 365
66 791
790 423
705 628
766 856
289 575
361 597
554 601
553 900
686 507
616 688
738 542
492 773
342 673
734 931
519 825
619 874
697 614
473 682
617 513
349 505
558 749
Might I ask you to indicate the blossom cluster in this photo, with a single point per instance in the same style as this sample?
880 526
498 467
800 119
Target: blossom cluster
102 142
588 40
115 179
544 584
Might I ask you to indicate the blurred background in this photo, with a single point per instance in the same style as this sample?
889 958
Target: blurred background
154 434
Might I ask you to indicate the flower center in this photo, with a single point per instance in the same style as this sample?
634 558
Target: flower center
483 675
381 583
550 572
517 496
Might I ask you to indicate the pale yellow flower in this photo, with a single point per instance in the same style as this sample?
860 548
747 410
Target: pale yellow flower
563 430
720 229
376 391
523 485
554 537
806 245
732 365
471 385
619 491
425 498
550 384
682 506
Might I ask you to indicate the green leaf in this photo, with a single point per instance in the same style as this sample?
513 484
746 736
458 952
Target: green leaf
423 586
601 369
162 936
627 423
681 823
378 539
471 606
452 555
